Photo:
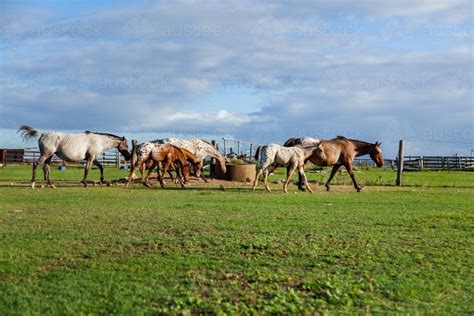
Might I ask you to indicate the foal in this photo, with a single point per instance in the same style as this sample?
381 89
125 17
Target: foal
274 155
159 154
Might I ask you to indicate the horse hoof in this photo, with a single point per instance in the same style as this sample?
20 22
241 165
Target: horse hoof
32 185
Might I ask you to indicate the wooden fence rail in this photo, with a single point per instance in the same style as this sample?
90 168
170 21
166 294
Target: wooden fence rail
438 162
29 155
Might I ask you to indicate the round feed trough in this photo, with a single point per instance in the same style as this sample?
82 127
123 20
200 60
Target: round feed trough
238 173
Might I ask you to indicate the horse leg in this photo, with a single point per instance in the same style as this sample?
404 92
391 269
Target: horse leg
300 179
351 173
177 167
146 179
101 169
257 175
201 174
171 174
302 175
46 168
333 173
86 172
288 178
40 161
265 180
130 175
160 176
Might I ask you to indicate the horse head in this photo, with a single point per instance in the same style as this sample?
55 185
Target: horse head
376 154
123 148
222 163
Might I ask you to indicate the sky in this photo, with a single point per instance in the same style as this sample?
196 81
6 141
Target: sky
260 71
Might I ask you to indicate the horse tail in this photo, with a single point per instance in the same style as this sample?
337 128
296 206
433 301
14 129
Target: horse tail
257 152
28 132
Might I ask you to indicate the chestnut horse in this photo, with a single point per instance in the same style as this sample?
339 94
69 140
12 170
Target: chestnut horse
159 154
339 152
189 157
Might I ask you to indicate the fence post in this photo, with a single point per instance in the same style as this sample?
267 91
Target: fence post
421 162
117 159
225 148
400 162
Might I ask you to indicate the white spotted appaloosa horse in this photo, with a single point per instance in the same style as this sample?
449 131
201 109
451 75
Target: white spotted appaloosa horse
273 155
73 147
199 148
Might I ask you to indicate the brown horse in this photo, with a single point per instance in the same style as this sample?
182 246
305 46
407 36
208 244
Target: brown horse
339 152
188 156
160 155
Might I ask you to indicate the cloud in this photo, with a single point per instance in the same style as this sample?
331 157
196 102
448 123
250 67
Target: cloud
360 68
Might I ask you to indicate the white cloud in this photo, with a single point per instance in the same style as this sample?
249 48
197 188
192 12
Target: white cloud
317 68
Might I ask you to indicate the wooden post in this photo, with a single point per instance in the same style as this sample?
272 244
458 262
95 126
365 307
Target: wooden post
421 164
225 148
117 159
212 166
401 150
250 153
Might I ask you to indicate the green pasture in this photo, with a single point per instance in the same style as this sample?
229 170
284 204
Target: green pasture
111 250
18 174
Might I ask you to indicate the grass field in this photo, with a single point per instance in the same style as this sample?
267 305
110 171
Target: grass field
201 250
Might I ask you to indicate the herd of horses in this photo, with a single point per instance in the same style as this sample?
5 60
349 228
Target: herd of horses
185 156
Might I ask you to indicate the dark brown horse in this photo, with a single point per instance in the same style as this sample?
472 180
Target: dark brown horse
339 152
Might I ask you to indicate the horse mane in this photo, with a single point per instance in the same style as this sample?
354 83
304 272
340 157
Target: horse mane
207 142
103 134
292 142
353 140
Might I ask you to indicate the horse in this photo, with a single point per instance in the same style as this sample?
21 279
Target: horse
200 149
189 157
273 155
341 151
159 154
72 147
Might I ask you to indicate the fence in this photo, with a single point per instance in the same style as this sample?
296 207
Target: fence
30 155
437 162
238 147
